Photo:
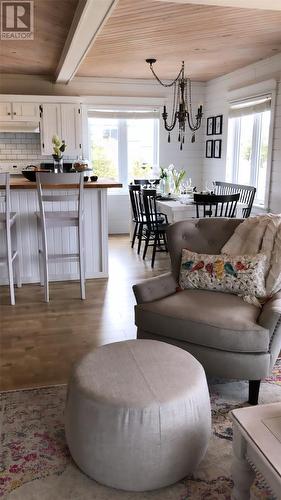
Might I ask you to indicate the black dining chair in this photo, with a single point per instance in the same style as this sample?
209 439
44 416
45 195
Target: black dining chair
213 205
156 223
137 213
247 194
146 182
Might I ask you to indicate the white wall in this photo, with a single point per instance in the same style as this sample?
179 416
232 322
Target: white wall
216 103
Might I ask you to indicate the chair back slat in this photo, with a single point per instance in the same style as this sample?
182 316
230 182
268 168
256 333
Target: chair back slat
135 199
65 181
247 194
150 208
216 205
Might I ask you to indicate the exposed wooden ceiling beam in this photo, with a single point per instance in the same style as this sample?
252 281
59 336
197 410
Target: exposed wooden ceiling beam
247 4
88 20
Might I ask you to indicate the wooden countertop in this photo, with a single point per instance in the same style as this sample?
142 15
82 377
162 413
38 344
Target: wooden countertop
19 182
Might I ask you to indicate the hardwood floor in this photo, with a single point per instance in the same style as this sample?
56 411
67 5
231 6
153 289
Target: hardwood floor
39 342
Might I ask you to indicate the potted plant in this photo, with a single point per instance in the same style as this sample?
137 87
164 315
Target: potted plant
59 147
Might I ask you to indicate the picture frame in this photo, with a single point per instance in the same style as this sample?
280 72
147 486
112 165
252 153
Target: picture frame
209 149
210 125
218 124
217 148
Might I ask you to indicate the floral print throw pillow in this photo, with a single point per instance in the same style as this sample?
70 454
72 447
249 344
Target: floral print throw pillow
240 274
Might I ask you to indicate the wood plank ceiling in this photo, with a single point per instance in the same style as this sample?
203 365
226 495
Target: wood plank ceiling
212 40
52 20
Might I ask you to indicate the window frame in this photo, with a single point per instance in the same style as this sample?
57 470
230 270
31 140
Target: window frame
253 92
123 167
256 138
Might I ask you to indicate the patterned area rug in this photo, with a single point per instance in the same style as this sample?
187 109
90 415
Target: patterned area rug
35 462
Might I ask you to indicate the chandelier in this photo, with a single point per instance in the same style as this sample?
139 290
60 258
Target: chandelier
182 107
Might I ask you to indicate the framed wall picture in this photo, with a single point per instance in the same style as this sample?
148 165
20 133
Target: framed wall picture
209 149
218 124
210 125
217 148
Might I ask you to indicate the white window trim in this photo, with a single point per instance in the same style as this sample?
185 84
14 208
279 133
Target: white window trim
122 152
254 91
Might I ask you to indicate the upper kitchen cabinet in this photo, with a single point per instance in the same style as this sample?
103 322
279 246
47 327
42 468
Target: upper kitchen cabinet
19 111
5 111
25 111
63 120
50 126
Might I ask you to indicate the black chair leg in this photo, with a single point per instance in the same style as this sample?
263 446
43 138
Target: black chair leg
146 245
135 234
165 242
140 237
254 387
154 250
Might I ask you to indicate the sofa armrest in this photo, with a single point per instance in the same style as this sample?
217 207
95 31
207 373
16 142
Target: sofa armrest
271 313
155 288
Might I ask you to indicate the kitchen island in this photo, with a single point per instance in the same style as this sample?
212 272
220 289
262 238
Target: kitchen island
60 240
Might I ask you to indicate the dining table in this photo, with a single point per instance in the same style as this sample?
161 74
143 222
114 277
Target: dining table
177 209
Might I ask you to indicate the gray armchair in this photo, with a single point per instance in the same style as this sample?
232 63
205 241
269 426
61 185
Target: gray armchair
231 338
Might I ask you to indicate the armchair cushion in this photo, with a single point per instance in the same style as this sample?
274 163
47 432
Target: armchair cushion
212 319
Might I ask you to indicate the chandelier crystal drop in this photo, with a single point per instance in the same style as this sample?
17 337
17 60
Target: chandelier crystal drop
182 106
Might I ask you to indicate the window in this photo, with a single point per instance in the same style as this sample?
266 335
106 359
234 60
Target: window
123 145
248 142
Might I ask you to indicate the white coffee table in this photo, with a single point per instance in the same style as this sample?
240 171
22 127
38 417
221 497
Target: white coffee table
257 447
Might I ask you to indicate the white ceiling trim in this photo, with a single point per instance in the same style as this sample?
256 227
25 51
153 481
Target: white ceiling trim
247 4
88 20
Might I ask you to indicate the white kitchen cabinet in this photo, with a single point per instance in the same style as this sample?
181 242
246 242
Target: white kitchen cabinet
19 111
50 125
5 111
63 120
25 111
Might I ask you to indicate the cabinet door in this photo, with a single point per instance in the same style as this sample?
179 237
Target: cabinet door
5 111
71 129
25 111
50 125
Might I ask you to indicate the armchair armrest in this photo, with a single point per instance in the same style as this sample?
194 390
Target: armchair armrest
155 288
270 318
271 313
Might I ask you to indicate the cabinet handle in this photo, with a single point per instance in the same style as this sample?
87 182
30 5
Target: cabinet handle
15 113
9 114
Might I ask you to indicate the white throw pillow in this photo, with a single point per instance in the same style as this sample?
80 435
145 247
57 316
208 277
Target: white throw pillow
240 274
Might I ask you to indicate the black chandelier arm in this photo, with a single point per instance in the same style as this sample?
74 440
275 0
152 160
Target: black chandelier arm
160 81
170 127
191 124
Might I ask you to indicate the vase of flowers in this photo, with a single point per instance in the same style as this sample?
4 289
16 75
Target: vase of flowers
59 147
177 177
164 181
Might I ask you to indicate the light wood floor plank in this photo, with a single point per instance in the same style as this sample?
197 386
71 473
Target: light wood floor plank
39 342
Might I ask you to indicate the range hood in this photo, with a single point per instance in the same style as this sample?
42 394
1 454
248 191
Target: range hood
21 127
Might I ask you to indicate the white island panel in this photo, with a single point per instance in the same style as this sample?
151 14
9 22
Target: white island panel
60 240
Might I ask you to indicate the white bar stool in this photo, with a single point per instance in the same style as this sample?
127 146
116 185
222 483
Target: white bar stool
8 224
74 184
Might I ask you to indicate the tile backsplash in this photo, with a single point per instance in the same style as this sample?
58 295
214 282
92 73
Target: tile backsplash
20 146
17 150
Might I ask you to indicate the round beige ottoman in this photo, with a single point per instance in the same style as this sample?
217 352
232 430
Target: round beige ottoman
138 414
